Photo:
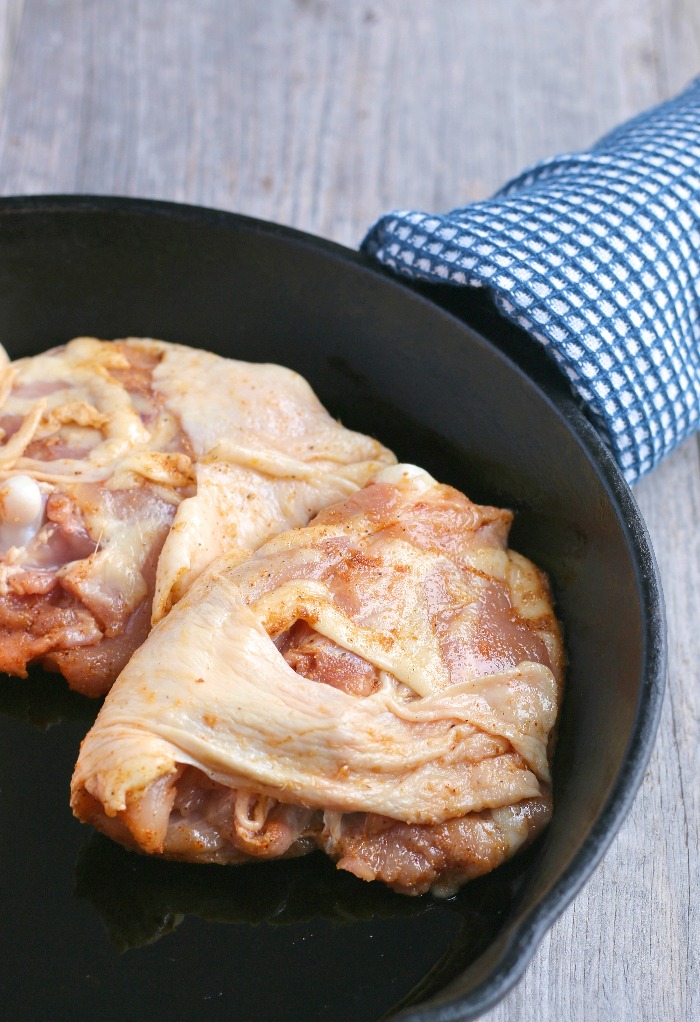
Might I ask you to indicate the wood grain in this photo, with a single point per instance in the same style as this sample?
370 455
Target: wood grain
10 18
322 114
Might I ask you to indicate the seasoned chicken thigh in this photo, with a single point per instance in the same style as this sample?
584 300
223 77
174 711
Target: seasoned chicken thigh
125 468
382 684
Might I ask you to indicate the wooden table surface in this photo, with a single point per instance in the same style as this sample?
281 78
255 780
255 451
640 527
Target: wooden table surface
322 114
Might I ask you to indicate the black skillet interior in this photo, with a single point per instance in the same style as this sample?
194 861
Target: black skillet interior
90 931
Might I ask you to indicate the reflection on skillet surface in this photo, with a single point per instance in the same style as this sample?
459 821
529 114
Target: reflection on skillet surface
203 938
42 700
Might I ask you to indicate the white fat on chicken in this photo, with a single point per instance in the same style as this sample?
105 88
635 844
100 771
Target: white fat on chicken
270 459
363 668
22 504
126 467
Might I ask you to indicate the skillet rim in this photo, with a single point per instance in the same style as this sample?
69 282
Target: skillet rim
515 947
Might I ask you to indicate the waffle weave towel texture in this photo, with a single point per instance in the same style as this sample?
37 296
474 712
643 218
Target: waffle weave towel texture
595 254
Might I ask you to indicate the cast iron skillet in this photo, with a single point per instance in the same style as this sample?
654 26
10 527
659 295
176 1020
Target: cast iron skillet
90 931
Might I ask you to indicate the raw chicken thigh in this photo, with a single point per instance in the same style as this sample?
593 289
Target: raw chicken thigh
126 467
382 684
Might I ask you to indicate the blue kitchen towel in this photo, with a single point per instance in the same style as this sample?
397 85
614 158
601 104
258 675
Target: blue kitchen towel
595 254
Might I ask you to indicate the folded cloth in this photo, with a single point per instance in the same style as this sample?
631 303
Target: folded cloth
595 254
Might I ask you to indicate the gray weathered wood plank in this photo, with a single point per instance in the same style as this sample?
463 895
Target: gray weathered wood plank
10 19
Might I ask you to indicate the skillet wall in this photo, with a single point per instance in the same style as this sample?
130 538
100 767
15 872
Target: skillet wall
386 362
